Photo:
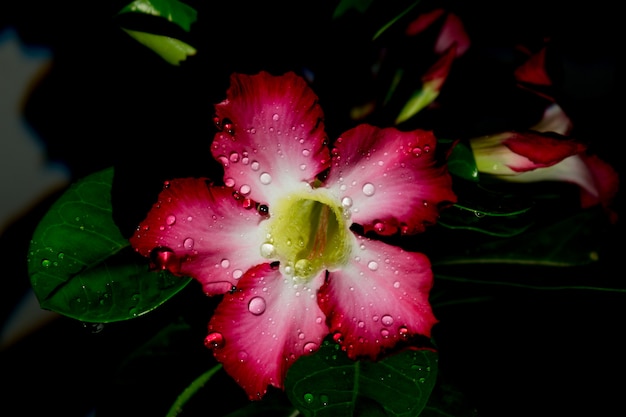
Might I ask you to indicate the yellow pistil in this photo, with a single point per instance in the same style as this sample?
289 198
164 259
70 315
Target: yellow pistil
307 232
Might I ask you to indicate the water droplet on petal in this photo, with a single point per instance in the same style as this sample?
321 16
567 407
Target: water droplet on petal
255 165
188 243
244 189
257 305
386 320
225 263
309 398
242 356
229 182
214 340
237 273
346 202
265 178
275 117
368 189
234 157
372 265
267 250
170 220
324 399
310 347
46 263
306 152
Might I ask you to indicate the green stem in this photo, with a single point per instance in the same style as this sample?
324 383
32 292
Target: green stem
189 392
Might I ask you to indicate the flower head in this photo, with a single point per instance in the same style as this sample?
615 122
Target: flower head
277 238
534 156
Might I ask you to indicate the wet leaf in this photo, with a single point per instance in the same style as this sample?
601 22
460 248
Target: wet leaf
81 266
174 11
461 162
328 383
170 49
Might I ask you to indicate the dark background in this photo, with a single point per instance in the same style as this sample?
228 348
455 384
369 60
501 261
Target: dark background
109 101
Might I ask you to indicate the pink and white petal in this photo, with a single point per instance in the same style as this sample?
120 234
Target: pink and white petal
453 33
606 181
543 149
554 120
390 179
259 330
379 299
201 231
272 134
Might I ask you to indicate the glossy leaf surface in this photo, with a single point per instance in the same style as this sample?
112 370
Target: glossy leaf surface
174 11
81 266
328 383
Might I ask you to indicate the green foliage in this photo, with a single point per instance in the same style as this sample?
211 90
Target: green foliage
171 49
174 11
328 383
81 266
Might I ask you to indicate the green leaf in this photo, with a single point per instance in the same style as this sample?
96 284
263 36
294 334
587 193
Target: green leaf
81 266
174 11
328 383
417 102
394 20
345 5
172 50
461 162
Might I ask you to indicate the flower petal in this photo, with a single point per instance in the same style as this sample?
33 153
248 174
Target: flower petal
272 134
200 231
260 329
390 178
379 299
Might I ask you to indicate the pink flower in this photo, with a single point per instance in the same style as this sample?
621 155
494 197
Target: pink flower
535 156
278 240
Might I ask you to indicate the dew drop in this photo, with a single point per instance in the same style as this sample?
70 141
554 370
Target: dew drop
306 152
310 347
46 263
303 268
396 284
368 189
324 400
417 151
309 398
265 178
237 273
164 258
170 220
386 320
234 157
214 340
244 189
225 263
384 333
267 250
372 265
256 305
255 165
404 332
188 243
275 117
229 182
346 202
242 356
